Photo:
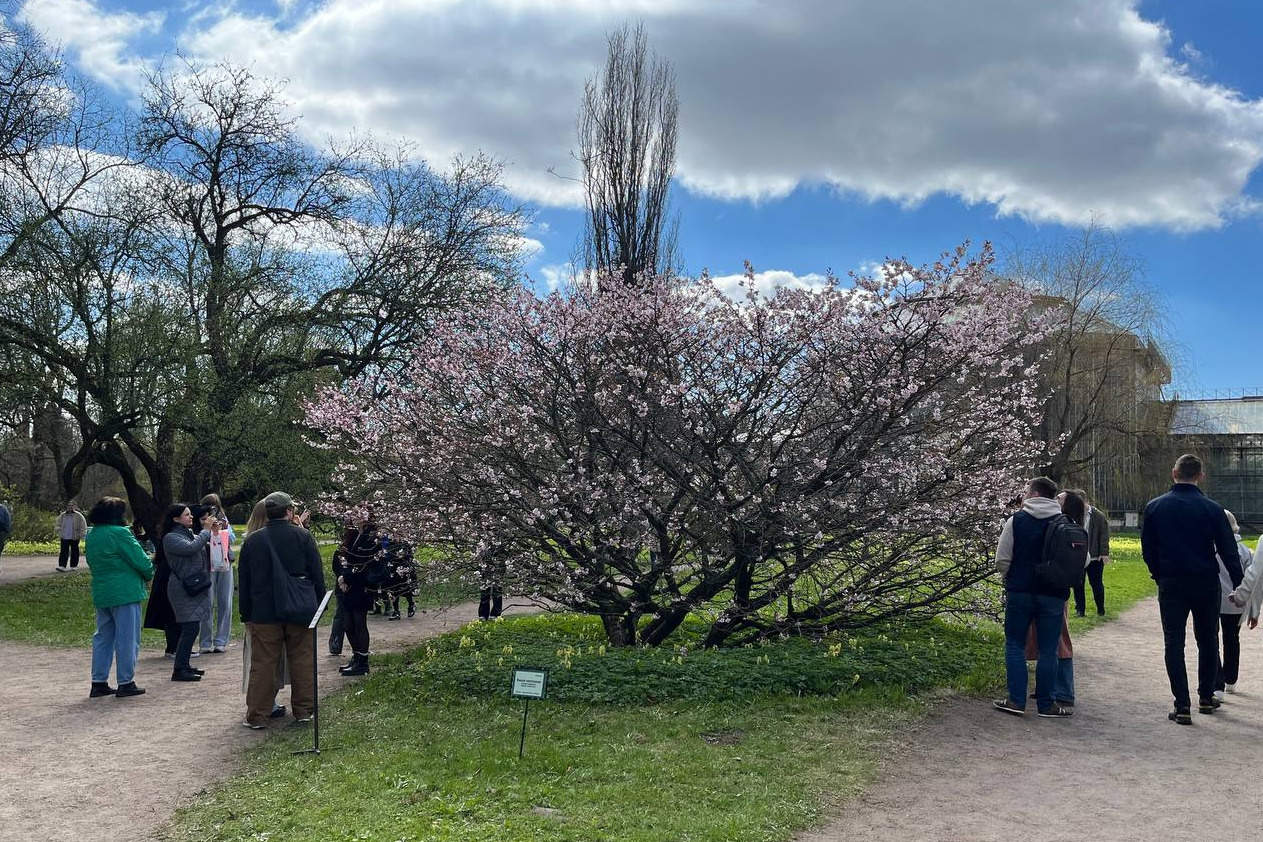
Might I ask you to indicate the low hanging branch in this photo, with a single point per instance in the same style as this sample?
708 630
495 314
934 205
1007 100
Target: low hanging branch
802 463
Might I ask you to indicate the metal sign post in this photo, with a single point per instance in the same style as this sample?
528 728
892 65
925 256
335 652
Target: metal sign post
315 677
528 684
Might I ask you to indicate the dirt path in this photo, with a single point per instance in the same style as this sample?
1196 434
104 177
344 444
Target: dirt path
19 568
1118 770
109 769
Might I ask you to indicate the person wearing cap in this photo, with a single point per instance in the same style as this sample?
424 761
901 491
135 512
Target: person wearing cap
298 554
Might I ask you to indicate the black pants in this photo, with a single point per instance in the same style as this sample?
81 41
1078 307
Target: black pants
1230 666
69 550
188 635
1177 598
172 631
357 630
490 603
337 629
1096 577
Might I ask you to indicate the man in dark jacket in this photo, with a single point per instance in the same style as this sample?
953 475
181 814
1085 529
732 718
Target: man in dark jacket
1027 600
1179 536
1098 527
299 556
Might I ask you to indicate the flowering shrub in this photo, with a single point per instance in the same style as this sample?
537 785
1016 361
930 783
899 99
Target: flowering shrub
794 464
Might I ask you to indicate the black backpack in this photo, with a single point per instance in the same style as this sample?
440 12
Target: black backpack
1065 554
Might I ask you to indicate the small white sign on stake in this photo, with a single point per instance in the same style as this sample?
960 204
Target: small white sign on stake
530 684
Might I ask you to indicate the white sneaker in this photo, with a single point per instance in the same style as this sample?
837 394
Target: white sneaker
62 569
195 654
1219 694
1231 688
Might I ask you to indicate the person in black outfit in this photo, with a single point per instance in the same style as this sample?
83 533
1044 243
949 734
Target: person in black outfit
337 629
359 568
1179 536
1098 527
158 613
491 595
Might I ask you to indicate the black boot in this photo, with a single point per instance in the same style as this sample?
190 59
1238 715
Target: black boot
130 689
101 688
358 666
186 675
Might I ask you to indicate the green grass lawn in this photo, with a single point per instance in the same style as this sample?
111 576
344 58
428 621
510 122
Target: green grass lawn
752 743
57 610
634 745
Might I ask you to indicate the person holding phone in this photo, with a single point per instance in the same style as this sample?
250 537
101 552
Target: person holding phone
187 553
217 628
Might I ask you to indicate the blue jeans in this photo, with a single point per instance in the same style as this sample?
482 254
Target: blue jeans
1020 610
221 610
117 639
1063 691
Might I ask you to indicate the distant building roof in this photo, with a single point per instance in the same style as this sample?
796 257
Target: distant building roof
1236 416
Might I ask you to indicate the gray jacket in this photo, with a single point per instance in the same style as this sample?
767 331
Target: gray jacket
187 554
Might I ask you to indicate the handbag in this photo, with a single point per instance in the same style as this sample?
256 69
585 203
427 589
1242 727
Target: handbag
294 597
194 585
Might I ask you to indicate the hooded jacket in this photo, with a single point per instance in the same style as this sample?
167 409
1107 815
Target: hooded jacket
1021 547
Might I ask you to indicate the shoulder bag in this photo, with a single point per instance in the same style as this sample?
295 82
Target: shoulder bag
294 597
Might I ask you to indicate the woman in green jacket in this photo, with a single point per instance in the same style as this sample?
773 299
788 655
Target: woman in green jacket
120 569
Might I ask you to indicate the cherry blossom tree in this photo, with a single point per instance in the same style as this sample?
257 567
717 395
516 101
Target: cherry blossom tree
798 463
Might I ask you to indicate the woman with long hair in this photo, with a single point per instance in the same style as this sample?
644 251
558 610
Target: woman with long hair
120 569
358 566
218 627
187 555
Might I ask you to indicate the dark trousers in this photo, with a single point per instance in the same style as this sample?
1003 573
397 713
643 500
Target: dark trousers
184 648
1177 599
337 629
1230 665
357 630
490 603
69 551
172 631
1096 578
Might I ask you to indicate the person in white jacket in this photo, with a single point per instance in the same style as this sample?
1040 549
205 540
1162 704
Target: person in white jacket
1248 594
1230 618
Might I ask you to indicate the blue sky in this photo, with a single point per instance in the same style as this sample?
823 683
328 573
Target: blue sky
815 134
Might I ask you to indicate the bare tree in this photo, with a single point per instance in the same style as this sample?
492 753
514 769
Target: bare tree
1106 358
177 314
627 130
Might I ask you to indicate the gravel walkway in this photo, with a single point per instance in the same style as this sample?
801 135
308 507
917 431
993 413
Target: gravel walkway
1118 770
116 769
19 568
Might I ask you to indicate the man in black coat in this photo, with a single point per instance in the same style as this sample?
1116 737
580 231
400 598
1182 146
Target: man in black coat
1179 537
298 554
1098 527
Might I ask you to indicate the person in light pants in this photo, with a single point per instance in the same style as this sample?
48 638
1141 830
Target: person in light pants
216 631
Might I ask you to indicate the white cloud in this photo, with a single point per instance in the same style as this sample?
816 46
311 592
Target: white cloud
555 276
1050 111
101 41
768 282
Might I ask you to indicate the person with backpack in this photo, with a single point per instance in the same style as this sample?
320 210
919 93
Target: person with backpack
1179 536
1074 507
1027 558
